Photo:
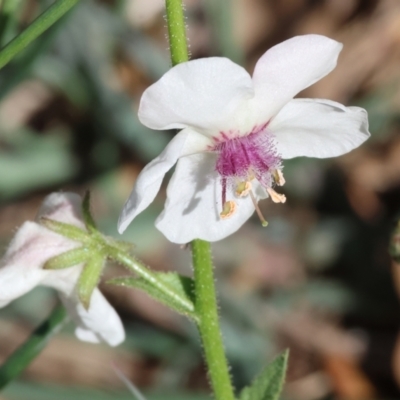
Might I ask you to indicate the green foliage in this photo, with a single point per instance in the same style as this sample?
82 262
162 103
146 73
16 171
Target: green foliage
182 299
29 350
36 28
268 385
24 390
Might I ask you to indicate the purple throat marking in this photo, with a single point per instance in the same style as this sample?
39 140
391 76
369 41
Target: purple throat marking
244 157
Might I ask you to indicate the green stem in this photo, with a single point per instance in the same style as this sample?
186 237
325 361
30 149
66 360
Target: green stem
206 309
206 302
176 31
36 28
147 275
26 353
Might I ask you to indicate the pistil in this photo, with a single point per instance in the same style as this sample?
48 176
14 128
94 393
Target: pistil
264 222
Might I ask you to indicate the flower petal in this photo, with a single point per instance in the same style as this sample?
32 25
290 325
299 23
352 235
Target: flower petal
20 267
64 207
194 203
149 180
15 282
318 128
202 94
289 67
99 323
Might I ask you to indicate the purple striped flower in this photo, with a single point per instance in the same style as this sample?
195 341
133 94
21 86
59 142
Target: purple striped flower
236 130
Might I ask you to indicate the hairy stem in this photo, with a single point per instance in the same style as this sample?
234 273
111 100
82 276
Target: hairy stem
176 31
147 275
206 302
206 309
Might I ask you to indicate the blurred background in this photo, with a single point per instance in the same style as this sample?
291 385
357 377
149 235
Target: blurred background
318 280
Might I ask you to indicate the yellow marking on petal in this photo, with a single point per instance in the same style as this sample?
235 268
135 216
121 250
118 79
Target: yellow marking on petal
278 177
276 197
228 210
243 189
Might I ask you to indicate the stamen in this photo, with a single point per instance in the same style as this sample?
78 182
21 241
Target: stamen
243 189
228 210
278 177
223 190
276 197
264 223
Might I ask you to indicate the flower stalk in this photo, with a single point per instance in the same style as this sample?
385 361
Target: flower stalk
177 32
206 309
147 275
204 286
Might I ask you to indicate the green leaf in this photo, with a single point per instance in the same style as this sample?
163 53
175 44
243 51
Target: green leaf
268 385
68 259
18 361
36 28
89 279
179 295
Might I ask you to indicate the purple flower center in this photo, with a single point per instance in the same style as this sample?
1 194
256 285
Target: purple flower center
245 157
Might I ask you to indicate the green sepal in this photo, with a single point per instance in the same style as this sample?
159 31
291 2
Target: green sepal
268 385
68 259
89 279
87 216
181 297
69 231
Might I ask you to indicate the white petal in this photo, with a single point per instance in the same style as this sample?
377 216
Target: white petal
149 180
318 128
203 94
289 67
194 203
86 335
63 280
20 267
99 323
15 282
64 207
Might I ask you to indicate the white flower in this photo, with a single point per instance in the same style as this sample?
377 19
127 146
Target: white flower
235 132
21 270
